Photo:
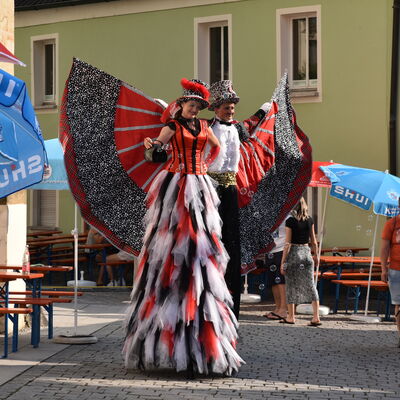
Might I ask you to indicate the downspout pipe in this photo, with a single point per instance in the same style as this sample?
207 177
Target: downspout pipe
394 89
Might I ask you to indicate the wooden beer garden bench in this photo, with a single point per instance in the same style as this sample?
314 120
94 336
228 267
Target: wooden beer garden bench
358 284
12 313
46 233
21 304
46 303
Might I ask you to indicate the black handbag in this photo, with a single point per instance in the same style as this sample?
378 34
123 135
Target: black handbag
155 154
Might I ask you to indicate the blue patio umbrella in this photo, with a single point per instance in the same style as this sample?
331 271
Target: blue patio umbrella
55 175
22 153
364 188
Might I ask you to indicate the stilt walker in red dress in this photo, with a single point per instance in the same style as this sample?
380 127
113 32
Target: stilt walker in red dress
179 314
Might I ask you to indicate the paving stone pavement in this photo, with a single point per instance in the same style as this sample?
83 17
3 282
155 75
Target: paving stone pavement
340 360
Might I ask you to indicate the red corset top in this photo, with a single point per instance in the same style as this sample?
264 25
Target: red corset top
188 150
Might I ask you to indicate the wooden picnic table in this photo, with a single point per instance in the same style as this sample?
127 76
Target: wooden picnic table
350 275
12 276
45 243
95 246
343 249
43 233
54 237
39 268
5 278
340 260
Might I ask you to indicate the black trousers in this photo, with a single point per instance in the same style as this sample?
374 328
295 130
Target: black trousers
229 213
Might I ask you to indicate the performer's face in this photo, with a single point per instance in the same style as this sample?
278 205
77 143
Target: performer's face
225 111
190 109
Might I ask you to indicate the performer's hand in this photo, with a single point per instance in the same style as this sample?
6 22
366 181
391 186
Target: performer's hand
283 271
148 142
162 103
266 107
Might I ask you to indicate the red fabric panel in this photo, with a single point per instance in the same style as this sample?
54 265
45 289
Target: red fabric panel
125 139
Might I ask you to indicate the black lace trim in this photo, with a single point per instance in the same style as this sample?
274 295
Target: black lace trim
185 123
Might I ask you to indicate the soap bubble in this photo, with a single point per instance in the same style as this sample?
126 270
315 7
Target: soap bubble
257 215
301 266
358 228
349 253
270 256
272 268
284 266
369 232
243 191
250 194
277 280
261 286
370 217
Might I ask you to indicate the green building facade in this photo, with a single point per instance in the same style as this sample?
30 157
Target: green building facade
337 53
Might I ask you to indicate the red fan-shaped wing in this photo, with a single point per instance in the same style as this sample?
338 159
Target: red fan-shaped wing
137 116
257 157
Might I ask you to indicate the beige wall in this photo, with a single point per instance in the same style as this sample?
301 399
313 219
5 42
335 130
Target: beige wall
12 208
7 30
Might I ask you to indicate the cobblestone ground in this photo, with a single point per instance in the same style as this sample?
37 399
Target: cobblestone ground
340 360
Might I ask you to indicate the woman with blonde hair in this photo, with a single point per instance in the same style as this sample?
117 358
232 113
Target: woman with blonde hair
298 264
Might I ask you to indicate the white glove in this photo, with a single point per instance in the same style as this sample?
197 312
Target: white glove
162 103
266 107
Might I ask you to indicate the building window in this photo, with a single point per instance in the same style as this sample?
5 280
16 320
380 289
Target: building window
212 48
43 209
304 52
299 50
49 75
219 59
44 54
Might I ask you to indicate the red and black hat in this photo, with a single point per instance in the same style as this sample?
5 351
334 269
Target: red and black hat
194 89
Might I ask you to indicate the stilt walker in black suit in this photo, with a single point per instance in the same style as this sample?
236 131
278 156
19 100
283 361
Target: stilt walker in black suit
230 134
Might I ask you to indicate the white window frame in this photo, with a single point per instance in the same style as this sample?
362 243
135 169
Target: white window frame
202 44
284 45
40 102
33 205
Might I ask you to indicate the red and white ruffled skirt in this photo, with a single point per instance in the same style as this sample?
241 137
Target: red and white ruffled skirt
180 315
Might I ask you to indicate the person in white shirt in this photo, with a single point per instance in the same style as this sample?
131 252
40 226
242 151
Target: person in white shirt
224 168
275 279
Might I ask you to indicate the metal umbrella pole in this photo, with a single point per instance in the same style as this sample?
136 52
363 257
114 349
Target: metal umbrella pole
366 317
75 338
75 233
321 236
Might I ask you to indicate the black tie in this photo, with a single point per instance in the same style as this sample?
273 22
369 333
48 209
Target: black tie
225 123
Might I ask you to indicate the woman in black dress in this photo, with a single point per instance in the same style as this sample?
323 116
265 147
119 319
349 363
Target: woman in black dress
298 263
